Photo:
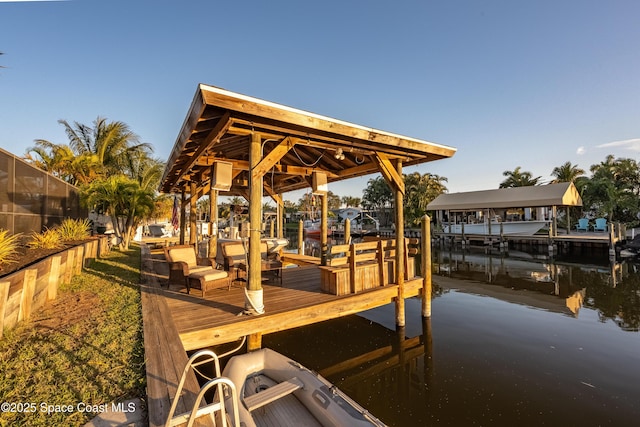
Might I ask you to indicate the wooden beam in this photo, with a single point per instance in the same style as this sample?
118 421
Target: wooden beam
280 321
275 196
215 134
393 178
281 122
284 169
272 158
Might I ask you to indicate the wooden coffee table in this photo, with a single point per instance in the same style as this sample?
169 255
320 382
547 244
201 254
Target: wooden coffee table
272 267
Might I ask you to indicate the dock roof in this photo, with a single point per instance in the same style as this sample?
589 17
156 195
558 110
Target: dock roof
561 194
295 143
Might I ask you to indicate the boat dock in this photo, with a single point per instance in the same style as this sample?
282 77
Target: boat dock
566 243
176 322
218 317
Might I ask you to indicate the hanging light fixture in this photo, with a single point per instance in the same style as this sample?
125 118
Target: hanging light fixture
339 154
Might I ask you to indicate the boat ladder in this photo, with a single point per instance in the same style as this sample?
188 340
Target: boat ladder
223 385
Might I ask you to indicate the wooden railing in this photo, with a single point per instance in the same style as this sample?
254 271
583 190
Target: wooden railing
28 289
360 266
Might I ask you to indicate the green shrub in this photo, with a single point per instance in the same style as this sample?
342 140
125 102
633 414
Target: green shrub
8 246
73 229
48 239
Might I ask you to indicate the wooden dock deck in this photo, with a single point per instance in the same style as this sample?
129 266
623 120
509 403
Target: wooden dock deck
218 318
165 357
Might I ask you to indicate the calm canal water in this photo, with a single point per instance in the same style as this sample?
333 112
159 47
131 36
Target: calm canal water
514 339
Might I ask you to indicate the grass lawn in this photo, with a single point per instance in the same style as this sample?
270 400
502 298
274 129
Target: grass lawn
81 351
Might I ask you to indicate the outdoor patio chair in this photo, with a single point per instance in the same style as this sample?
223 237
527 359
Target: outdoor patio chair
234 254
185 268
583 224
601 224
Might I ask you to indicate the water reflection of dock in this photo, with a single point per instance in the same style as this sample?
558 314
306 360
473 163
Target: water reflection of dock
551 284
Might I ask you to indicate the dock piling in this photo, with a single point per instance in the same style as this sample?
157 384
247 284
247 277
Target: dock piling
426 266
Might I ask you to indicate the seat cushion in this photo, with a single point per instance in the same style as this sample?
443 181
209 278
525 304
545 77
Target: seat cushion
233 249
199 269
186 255
209 274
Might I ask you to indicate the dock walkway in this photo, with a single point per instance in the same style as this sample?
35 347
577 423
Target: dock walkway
165 356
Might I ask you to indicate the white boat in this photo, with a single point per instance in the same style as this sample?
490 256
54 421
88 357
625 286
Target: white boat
520 228
264 387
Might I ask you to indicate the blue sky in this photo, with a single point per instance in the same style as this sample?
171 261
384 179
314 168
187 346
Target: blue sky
508 83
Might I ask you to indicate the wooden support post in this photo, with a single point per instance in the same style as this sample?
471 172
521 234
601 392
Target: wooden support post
399 204
213 221
300 237
68 266
352 268
4 296
54 278
612 240
382 266
183 217
79 260
28 290
280 205
426 266
347 231
254 342
554 212
255 217
272 226
193 199
324 229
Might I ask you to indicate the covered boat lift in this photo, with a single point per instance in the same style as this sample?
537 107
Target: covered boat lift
234 144
552 196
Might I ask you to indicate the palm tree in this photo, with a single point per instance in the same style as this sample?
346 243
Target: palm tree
61 161
613 189
106 149
144 169
351 201
123 200
567 173
112 144
420 191
516 178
